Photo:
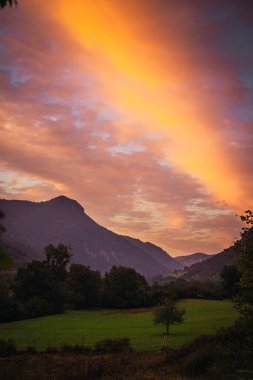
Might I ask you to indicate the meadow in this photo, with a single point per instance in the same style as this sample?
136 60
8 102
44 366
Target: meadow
87 327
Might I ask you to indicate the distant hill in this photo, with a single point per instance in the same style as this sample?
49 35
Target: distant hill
210 269
157 254
187 261
31 226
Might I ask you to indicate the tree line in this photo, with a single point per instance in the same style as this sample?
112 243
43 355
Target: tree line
49 286
54 284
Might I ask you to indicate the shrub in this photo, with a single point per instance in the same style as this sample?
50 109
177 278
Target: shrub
198 362
9 310
111 346
31 350
52 350
188 348
75 348
7 348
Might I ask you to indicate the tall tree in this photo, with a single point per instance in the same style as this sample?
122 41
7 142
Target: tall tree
245 247
125 288
83 287
6 261
57 260
230 276
37 290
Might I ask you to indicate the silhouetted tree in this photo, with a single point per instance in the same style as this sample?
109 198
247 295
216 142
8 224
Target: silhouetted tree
125 288
8 307
37 290
245 247
83 287
6 261
57 260
230 275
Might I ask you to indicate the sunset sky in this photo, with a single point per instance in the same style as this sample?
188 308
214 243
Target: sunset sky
141 110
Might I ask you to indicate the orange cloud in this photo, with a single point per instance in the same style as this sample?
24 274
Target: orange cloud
120 105
147 81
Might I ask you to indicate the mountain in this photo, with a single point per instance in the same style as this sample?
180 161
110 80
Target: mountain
157 254
210 269
20 250
187 261
63 220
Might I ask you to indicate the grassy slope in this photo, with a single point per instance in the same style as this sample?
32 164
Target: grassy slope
202 316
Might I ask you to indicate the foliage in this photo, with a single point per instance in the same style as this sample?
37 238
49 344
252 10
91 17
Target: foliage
247 217
83 287
198 362
168 314
230 280
125 288
39 286
9 310
122 366
110 346
57 260
181 289
7 348
245 247
6 262
75 348
37 290
229 349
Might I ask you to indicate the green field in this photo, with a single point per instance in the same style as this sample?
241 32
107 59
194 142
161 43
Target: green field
202 317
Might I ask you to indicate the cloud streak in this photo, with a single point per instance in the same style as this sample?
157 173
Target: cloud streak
139 110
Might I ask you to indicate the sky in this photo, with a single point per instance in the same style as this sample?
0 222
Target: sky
141 110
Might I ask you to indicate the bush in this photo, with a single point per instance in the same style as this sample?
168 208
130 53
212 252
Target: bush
75 348
9 310
198 362
31 350
38 306
52 350
7 348
111 346
188 348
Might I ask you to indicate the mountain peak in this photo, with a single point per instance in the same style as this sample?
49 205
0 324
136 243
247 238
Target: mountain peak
64 201
62 220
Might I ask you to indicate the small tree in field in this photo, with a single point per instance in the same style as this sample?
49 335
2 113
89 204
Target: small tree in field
168 314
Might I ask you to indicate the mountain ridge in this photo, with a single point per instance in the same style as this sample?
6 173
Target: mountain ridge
188 260
63 220
210 269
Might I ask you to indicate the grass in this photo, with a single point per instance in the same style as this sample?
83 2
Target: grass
87 327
